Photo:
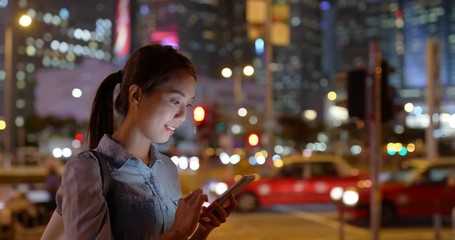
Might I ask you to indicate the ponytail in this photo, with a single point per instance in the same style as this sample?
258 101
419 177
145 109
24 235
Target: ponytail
102 114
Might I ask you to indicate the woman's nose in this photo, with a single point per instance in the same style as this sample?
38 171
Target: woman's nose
181 114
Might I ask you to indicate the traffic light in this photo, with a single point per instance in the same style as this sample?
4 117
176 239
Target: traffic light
79 137
357 98
199 115
387 94
253 139
356 87
77 140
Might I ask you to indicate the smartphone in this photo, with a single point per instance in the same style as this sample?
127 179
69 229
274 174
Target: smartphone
235 188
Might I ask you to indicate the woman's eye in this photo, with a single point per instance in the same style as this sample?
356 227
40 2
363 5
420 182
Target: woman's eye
175 102
189 105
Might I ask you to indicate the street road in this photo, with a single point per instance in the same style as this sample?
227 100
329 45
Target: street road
286 223
302 223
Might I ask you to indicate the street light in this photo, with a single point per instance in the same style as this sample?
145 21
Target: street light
336 194
248 70
237 75
8 87
262 17
227 73
25 20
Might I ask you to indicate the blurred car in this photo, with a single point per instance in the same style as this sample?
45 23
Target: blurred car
20 216
421 188
26 199
30 173
300 180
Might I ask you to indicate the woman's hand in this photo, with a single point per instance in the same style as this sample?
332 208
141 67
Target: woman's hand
213 217
187 215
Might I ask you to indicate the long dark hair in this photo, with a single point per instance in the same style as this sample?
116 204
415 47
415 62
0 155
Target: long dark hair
148 67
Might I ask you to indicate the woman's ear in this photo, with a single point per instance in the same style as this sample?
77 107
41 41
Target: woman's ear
134 94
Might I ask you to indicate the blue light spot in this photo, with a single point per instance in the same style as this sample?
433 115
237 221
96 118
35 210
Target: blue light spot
324 6
259 46
144 10
3 3
220 127
391 152
64 14
403 151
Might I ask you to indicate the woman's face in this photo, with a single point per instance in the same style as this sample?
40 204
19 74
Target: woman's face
163 110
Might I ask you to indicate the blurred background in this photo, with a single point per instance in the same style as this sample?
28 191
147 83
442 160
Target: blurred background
275 78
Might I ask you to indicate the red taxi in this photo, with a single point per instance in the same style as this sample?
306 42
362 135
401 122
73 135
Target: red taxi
300 180
421 188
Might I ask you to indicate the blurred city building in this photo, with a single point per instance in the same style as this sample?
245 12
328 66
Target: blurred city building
62 34
402 28
78 87
327 37
215 35
212 33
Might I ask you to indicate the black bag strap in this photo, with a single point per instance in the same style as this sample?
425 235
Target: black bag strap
108 185
106 178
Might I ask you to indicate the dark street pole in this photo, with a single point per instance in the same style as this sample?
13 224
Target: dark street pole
8 95
375 126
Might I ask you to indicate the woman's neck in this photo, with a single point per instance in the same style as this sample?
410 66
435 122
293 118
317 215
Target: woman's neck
133 142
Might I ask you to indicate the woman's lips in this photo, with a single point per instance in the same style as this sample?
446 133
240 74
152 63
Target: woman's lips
170 129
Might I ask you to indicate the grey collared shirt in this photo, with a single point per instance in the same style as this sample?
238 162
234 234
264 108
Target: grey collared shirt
145 197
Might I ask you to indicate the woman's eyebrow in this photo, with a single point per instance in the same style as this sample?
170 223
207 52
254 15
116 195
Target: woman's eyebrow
179 93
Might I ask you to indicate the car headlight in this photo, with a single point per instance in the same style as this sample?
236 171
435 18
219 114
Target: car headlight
218 187
350 197
336 193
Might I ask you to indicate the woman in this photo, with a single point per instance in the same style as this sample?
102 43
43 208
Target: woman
157 87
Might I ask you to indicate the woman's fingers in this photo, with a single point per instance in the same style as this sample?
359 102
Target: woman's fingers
197 197
212 216
188 211
232 204
205 197
194 193
217 211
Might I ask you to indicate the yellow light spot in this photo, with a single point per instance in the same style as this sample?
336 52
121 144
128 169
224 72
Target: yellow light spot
248 70
25 20
209 151
253 139
408 107
332 96
226 72
411 147
2 124
199 114
278 163
391 147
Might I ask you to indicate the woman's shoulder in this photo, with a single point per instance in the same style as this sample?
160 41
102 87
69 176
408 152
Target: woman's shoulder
167 162
166 159
163 156
83 161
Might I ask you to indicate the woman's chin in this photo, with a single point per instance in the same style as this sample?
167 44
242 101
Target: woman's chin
163 139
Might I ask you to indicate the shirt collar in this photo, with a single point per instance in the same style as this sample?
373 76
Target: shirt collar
117 155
